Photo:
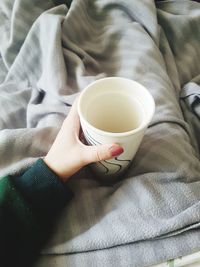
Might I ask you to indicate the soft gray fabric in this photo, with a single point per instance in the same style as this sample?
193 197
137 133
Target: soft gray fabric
49 53
190 102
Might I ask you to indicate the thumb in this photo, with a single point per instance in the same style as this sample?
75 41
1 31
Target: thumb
102 152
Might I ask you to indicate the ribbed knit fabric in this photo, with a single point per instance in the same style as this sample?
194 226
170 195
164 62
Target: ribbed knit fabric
29 205
42 187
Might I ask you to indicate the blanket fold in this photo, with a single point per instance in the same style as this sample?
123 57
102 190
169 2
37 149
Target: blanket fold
51 50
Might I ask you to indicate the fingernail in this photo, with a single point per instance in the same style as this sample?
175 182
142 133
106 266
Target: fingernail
116 150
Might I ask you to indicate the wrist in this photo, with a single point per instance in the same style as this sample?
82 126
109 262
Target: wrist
55 168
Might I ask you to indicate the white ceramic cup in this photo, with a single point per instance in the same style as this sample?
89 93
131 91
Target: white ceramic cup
115 110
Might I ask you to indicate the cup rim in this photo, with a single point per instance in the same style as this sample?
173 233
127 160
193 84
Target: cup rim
144 123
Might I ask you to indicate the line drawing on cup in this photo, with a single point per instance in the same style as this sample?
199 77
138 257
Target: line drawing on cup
107 170
92 141
115 110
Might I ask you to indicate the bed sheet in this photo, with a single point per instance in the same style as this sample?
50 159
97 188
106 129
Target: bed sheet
50 50
192 260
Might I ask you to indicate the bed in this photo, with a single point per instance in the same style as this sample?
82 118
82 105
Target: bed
50 51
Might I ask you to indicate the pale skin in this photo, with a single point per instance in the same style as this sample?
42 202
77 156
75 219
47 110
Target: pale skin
68 154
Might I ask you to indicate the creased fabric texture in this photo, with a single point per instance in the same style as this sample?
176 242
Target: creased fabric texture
190 102
51 50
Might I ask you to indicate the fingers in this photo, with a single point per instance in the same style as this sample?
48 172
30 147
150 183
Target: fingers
89 154
72 121
74 107
102 152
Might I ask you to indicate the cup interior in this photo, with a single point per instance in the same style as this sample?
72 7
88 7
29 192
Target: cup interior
114 112
116 105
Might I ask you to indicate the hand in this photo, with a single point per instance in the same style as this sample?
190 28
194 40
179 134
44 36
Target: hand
68 154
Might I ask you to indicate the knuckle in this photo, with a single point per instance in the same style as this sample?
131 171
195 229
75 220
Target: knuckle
98 155
82 158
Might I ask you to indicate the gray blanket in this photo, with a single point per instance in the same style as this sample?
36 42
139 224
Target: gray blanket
50 50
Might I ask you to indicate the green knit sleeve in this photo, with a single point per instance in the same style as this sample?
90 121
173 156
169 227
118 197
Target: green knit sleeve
11 201
29 205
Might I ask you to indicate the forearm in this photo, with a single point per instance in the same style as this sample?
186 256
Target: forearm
29 205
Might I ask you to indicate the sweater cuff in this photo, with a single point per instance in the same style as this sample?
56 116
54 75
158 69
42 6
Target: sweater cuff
42 187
